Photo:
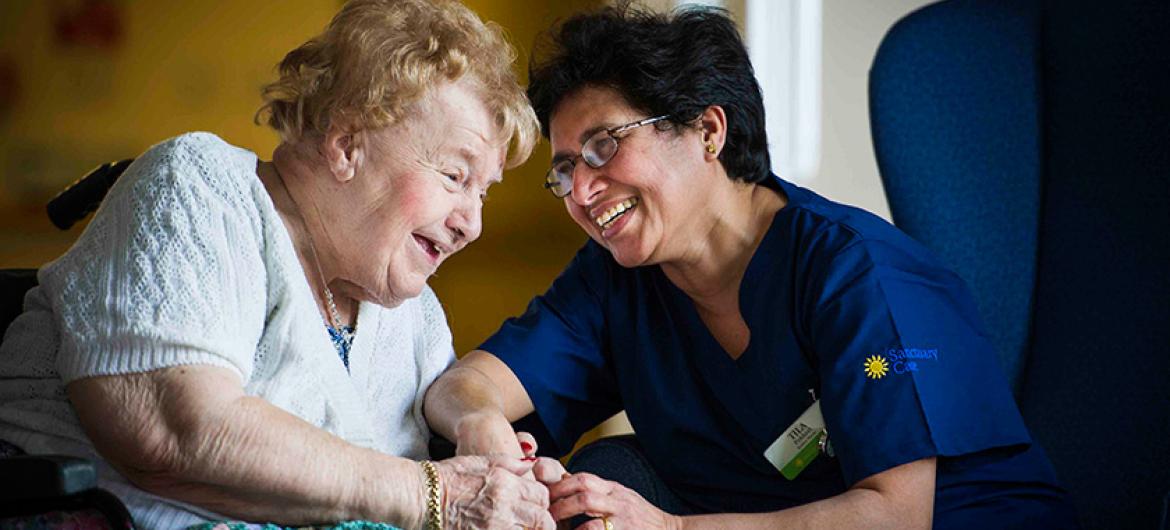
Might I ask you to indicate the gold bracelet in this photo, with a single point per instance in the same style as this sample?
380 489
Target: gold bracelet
434 512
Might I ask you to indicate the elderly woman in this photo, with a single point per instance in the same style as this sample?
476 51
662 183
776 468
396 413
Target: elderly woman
785 361
239 339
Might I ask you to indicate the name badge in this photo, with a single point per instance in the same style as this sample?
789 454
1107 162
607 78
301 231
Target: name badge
800 444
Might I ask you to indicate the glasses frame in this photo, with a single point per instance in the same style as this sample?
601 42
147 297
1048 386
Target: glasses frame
550 178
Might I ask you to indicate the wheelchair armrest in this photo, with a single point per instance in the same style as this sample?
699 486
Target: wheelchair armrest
44 476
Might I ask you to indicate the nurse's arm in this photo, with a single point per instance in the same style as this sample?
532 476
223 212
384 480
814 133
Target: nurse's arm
473 404
899 497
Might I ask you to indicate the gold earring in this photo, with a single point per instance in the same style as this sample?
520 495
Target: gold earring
711 148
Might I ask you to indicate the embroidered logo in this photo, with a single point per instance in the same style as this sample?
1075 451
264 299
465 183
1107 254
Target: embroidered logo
899 361
876 367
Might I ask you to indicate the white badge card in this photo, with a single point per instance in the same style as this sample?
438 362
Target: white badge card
799 444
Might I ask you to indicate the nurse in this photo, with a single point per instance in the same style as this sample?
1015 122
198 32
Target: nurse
784 360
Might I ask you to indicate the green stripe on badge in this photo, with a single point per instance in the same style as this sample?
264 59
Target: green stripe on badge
802 459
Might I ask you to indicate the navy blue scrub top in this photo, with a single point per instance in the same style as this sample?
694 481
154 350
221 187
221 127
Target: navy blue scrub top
830 290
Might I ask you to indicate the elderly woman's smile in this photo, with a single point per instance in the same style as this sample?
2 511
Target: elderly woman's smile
416 196
430 248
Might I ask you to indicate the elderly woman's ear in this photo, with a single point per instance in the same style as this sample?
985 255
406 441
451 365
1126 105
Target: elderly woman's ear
343 150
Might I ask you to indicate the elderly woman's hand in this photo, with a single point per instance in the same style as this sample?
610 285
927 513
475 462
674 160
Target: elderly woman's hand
548 471
492 493
585 493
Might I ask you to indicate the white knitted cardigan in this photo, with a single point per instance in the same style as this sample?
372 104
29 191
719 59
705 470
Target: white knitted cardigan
188 262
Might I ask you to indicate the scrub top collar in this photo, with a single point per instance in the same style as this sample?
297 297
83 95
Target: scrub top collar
736 382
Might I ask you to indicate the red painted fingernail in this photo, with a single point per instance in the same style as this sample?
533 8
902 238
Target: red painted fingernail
528 458
525 446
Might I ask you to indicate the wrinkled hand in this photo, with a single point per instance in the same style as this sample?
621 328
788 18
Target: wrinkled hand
585 493
492 435
549 471
489 493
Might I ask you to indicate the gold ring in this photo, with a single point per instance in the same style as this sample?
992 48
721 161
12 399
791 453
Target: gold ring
605 521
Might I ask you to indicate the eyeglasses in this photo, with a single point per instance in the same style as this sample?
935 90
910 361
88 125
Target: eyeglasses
596 151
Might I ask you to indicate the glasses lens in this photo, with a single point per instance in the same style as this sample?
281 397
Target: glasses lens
599 149
559 179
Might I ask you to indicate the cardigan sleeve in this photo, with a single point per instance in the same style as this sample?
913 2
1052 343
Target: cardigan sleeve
169 271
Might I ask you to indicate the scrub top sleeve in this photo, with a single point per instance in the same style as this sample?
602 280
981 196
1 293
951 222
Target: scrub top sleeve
906 372
558 352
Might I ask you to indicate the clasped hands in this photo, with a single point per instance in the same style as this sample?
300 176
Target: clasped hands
496 481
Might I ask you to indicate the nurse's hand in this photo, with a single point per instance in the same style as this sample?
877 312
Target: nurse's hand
585 493
490 434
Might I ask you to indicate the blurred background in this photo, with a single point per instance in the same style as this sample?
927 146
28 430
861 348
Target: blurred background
88 81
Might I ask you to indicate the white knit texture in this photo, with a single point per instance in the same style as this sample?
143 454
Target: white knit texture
188 262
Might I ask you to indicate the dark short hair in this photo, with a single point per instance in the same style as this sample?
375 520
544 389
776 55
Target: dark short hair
675 64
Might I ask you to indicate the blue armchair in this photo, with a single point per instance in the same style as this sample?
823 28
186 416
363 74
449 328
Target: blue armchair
1027 143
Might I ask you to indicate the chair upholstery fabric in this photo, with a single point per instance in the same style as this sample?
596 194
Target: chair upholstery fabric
1028 143
955 119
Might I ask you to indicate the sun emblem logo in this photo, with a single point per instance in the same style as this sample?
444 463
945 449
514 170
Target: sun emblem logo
876 367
